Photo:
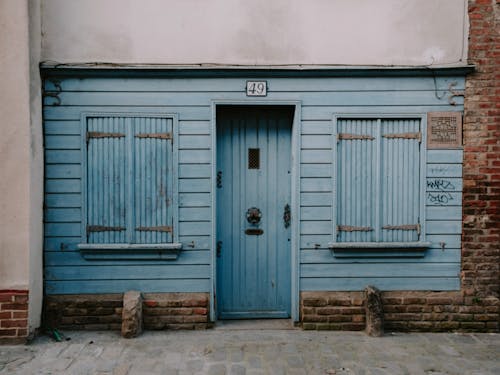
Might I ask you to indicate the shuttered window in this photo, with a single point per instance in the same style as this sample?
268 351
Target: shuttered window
129 182
378 180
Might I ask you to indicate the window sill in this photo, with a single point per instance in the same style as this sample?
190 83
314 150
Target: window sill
124 251
378 249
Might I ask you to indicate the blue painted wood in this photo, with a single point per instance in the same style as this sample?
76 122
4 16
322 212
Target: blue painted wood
73 258
194 199
380 270
154 271
253 271
62 200
119 286
437 256
320 98
382 283
275 84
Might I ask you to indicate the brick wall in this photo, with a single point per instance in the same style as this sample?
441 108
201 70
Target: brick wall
481 197
403 311
176 311
13 315
104 311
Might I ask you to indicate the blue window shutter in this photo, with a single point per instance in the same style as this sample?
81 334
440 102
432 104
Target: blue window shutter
152 180
106 180
400 172
356 180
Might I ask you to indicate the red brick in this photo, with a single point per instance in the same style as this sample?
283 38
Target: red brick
8 332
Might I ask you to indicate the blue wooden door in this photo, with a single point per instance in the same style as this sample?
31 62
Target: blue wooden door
253 212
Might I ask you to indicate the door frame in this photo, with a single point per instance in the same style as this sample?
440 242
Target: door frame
295 196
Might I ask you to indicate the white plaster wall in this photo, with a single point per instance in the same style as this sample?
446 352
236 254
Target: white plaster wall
21 152
14 145
256 32
36 168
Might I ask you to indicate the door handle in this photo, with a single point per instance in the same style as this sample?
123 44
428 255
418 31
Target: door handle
218 249
287 216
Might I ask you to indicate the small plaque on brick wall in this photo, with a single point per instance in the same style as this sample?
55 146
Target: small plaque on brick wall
444 130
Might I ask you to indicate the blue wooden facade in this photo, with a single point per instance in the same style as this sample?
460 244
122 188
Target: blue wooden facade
350 225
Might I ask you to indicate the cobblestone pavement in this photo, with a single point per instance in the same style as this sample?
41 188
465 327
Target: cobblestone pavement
247 351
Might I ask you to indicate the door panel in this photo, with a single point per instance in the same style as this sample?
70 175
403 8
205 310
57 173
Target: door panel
253 164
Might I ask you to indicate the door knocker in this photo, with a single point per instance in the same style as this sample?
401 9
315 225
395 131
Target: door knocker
254 215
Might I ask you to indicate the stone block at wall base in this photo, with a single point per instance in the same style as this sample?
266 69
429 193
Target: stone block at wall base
405 311
13 316
104 311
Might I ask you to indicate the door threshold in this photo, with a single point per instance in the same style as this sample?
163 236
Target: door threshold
255 324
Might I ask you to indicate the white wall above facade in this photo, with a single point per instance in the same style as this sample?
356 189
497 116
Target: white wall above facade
257 32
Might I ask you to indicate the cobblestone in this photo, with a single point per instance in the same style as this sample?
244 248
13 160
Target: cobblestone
246 351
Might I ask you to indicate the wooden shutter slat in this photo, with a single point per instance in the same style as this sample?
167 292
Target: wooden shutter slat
152 184
106 180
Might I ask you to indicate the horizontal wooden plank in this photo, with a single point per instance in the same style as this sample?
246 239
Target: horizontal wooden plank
61 243
325 256
63 156
316 141
58 215
317 127
384 284
63 171
144 98
315 227
62 229
195 214
63 200
316 199
274 84
195 142
194 127
63 185
449 241
63 142
74 258
62 127
380 270
195 156
69 244
315 241
194 199
315 184
443 213
443 227
315 213
186 113
194 185
316 156
196 242
444 170
126 272
445 156
197 228
316 170
195 170
446 199
121 286
441 184
319 113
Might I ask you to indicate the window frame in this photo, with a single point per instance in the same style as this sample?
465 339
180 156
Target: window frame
374 248
129 250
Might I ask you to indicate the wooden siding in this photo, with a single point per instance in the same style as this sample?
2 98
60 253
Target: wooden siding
321 98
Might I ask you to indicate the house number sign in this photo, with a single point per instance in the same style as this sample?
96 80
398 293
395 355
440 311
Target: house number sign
256 88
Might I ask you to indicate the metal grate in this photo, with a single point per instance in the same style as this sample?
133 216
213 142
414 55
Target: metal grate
253 158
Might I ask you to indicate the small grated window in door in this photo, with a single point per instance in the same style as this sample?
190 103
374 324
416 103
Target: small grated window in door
253 158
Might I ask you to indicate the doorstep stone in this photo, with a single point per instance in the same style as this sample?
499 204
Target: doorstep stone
132 314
